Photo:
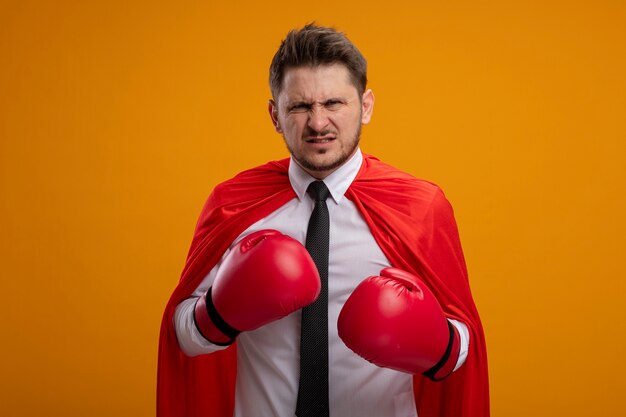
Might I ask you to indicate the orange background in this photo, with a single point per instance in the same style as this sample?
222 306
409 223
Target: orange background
117 118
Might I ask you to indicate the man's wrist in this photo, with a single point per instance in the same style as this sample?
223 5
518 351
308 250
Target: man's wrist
210 324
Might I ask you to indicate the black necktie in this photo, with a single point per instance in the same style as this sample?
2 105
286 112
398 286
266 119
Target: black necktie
313 391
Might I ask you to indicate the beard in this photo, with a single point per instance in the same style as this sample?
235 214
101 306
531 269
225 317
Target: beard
343 154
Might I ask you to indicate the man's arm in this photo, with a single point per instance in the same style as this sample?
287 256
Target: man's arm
264 277
394 321
190 340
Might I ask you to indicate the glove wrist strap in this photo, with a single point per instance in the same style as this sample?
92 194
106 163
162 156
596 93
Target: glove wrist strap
210 324
447 363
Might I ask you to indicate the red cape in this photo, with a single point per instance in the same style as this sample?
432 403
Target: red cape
414 226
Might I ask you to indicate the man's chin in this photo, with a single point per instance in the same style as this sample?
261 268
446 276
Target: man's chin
320 167
322 164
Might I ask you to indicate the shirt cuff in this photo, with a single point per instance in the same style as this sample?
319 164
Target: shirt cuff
190 340
464 342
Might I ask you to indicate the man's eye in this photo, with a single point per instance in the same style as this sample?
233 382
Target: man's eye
299 108
332 104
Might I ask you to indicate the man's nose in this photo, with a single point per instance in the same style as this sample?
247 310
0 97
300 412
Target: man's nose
318 119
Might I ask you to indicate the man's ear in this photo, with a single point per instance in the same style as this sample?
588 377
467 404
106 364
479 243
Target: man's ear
272 107
367 106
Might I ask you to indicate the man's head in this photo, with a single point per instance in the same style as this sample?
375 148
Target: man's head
313 46
319 103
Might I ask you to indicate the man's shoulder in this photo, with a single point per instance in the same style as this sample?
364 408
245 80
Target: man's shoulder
383 185
253 183
376 171
268 173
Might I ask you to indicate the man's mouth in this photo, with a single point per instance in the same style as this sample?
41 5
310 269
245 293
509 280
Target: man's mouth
323 139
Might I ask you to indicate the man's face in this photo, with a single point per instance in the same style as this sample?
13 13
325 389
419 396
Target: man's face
319 113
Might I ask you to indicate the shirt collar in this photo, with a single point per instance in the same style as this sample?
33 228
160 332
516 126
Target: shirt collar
337 182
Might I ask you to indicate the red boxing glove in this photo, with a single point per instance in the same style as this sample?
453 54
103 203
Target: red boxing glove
265 277
394 321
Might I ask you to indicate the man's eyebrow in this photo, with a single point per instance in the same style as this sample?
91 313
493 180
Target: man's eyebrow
299 103
312 102
341 99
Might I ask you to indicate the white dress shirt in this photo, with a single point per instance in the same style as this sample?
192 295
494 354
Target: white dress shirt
268 357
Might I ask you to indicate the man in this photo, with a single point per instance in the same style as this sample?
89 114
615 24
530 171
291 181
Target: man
407 341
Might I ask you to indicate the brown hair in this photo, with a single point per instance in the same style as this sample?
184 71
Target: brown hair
313 46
